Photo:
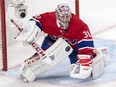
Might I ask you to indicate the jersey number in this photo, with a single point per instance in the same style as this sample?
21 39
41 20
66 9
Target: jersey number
86 34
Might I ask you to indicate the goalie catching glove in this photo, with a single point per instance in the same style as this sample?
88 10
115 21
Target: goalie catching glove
86 67
82 68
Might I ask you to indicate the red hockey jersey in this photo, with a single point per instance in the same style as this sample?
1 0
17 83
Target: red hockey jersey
77 34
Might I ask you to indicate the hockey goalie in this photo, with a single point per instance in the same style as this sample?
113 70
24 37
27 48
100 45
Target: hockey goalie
67 35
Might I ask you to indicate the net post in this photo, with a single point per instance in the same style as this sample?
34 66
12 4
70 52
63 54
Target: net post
77 7
3 29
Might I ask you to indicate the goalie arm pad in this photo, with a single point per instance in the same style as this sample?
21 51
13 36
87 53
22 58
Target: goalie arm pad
30 32
53 55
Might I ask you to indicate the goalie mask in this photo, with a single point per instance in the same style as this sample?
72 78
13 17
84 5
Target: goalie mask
63 15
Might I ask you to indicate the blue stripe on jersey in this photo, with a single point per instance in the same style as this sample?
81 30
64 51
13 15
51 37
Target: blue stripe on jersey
85 43
37 23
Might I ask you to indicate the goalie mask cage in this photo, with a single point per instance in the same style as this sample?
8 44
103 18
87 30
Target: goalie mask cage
33 8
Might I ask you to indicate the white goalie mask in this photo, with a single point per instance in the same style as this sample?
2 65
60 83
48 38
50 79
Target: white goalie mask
63 15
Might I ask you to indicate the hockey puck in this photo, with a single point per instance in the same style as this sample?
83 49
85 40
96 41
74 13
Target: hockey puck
67 49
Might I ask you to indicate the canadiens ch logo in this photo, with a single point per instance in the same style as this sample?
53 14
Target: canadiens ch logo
73 42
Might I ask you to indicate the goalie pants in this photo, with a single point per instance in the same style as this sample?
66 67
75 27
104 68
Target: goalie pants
48 41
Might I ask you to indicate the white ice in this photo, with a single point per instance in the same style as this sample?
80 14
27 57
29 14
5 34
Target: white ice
100 15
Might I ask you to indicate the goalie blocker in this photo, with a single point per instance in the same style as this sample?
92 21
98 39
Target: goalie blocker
37 64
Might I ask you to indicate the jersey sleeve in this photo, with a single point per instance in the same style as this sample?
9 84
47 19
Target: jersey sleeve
37 19
85 44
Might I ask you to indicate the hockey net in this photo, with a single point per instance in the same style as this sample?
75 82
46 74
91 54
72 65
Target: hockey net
12 52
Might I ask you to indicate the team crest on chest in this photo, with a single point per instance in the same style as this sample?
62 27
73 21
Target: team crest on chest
71 42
